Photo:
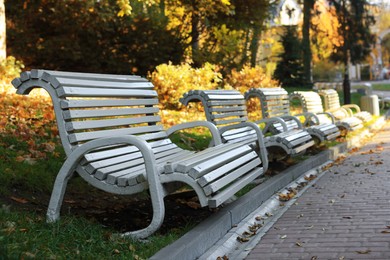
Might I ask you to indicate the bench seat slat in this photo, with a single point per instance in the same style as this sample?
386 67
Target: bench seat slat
215 174
221 196
232 176
202 168
115 151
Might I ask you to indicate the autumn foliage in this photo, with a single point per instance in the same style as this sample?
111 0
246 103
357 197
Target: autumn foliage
31 118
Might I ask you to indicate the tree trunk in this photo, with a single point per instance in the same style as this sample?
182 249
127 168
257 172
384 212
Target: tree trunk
3 49
254 47
195 35
346 82
307 8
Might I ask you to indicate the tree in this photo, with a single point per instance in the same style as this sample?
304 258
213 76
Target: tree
289 70
3 47
355 21
308 6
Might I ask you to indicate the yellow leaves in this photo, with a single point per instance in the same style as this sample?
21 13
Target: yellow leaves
125 7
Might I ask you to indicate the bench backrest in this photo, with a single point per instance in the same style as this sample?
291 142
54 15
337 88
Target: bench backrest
274 101
222 107
91 106
310 101
331 98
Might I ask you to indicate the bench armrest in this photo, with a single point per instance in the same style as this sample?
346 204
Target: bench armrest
272 120
260 139
353 106
300 126
308 116
213 129
340 109
329 115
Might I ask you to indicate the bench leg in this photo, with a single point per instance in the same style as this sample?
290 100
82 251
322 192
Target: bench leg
57 195
157 198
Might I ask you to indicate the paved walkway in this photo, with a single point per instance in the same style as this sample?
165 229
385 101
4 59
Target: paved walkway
345 215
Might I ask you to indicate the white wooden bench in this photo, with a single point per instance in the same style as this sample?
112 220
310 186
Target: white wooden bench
226 108
332 104
311 102
275 102
110 129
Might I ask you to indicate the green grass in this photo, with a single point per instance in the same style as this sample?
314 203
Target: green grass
382 87
26 235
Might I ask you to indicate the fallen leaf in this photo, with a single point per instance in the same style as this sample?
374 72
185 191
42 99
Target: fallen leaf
385 232
242 239
20 200
298 244
363 251
283 237
347 217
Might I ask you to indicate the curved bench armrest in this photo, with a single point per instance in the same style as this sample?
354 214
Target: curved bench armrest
353 106
271 121
308 116
329 115
213 129
300 126
260 139
344 111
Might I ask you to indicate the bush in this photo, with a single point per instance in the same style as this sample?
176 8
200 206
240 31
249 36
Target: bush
10 68
250 77
172 81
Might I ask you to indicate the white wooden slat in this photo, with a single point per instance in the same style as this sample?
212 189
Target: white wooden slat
93 166
227 109
102 173
121 177
85 136
224 97
297 141
231 177
231 121
95 76
71 82
196 167
221 196
88 103
113 151
103 92
92 124
212 103
75 114
227 115
213 175
174 166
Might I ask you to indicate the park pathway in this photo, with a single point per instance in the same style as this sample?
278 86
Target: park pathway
344 215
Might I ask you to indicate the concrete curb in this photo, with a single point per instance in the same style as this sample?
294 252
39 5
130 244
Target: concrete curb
205 235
